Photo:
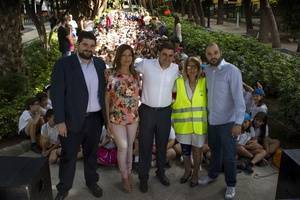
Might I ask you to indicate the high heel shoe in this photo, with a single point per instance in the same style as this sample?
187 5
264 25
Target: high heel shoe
130 181
192 183
185 179
126 185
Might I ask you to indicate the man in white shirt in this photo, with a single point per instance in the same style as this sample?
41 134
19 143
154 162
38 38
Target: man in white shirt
74 25
159 76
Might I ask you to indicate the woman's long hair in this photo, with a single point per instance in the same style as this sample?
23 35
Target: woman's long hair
261 116
176 21
117 61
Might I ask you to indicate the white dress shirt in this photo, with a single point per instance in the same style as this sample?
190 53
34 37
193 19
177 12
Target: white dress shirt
157 82
92 84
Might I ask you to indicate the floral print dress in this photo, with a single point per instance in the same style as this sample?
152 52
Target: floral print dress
124 95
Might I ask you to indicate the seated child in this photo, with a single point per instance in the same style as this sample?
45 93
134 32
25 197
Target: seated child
247 145
254 99
49 138
261 129
30 122
43 100
258 104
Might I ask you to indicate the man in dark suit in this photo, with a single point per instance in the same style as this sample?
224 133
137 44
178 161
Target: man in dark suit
77 94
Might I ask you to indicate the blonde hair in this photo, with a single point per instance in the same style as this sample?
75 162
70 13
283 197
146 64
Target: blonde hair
197 61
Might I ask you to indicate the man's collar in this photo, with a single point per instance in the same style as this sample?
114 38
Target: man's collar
83 62
221 65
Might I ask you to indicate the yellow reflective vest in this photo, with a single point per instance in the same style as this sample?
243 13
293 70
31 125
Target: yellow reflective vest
190 116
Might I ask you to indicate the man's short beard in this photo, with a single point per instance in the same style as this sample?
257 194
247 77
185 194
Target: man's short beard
82 55
217 63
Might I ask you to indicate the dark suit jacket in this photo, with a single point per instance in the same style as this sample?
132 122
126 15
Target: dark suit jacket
69 94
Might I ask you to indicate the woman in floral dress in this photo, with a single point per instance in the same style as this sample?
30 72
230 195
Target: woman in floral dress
122 98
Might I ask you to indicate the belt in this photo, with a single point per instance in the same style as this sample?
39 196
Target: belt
88 114
156 108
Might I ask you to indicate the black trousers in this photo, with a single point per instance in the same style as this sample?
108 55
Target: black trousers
153 122
88 137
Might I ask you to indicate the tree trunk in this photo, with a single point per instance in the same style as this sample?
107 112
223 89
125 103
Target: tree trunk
75 9
151 6
103 7
57 8
298 48
38 21
248 15
200 12
267 17
182 7
130 5
10 37
144 4
220 19
190 11
263 26
96 7
195 12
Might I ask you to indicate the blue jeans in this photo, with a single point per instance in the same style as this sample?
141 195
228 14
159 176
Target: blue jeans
223 151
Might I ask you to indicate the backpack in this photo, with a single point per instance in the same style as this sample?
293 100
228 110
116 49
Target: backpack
107 157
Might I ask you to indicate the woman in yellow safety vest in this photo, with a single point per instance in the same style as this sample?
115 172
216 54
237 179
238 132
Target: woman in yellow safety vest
189 117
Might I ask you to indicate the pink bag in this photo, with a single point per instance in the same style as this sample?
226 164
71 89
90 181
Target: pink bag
107 157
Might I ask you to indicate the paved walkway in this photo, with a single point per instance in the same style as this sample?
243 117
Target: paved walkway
248 187
230 27
30 33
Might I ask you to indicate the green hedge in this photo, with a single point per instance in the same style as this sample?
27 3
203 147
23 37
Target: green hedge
16 88
278 72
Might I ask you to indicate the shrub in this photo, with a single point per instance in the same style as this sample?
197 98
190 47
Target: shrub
38 64
11 86
278 72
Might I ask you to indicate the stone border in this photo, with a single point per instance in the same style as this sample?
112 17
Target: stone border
16 150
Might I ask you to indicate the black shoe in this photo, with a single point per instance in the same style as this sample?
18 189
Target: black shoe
61 195
135 168
163 179
144 186
96 190
193 184
248 169
35 148
185 179
168 165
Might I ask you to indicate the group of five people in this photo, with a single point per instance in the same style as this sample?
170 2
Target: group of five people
207 104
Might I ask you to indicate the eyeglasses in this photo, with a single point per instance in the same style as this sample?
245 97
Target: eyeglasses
191 67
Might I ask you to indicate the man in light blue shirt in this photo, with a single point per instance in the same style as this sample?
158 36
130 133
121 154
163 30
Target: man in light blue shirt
226 108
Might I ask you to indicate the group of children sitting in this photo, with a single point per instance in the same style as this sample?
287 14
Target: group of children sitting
37 124
254 143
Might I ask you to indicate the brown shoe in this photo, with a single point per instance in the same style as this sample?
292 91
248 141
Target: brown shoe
130 181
